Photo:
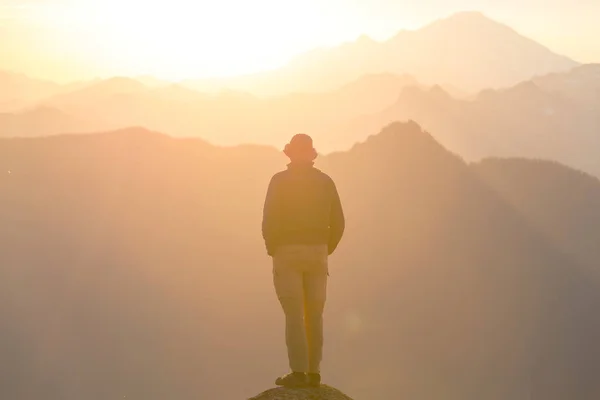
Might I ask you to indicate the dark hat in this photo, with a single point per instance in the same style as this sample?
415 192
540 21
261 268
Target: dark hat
301 146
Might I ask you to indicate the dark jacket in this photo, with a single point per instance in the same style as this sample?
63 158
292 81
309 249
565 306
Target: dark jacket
302 206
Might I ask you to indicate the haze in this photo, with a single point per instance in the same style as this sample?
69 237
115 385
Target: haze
464 144
178 39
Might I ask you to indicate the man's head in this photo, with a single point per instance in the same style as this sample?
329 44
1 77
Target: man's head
300 149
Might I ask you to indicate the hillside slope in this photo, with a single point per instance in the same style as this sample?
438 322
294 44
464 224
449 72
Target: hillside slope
132 265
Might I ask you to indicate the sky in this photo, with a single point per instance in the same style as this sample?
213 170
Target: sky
178 39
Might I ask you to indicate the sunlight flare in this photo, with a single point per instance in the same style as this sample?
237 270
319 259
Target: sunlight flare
182 39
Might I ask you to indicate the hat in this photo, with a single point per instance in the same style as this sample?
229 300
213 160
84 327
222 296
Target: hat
300 147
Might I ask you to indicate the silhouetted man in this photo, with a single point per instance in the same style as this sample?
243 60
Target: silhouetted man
303 223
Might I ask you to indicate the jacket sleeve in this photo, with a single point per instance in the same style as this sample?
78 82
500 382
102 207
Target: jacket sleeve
337 222
269 219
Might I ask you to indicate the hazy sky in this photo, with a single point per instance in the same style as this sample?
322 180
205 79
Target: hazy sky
72 39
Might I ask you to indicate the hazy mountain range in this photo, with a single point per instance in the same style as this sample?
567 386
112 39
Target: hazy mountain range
18 91
131 262
553 117
223 118
41 121
534 103
467 50
132 266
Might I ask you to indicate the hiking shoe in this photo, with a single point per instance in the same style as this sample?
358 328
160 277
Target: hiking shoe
293 380
314 379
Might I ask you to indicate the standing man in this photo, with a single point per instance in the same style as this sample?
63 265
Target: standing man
303 223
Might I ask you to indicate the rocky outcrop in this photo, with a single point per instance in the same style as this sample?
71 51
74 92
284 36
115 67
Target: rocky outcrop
323 393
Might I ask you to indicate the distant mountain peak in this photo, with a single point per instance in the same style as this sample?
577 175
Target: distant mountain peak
122 83
525 87
364 39
134 132
42 111
459 19
468 50
417 93
468 21
408 130
104 88
439 91
593 68
470 15
401 149
402 135
136 135
381 79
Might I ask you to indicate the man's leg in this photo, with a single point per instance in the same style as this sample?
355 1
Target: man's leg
287 278
315 293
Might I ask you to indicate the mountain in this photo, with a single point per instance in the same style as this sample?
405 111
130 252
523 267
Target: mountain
466 50
152 81
555 117
581 84
97 92
571 209
224 118
18 90
42 121
132 266
533 119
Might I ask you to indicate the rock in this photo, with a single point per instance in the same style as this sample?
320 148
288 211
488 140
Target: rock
322 393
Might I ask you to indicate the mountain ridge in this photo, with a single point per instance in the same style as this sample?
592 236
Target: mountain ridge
138 231
551 117
444 51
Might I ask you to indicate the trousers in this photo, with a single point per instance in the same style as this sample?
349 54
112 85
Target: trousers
300 275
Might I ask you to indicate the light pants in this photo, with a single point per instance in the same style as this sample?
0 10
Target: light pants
300 277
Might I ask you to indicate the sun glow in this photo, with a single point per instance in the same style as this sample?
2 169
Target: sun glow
180 39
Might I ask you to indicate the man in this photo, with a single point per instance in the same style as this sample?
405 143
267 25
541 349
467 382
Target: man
302 225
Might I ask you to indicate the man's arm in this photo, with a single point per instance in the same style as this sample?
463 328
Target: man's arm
337 222
269 220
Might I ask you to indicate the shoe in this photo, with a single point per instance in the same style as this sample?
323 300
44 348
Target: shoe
314 379
293 380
